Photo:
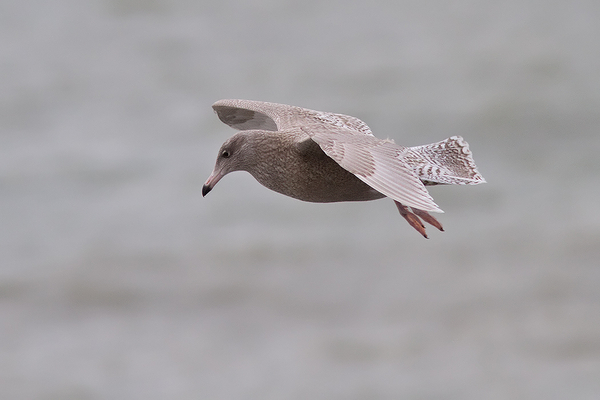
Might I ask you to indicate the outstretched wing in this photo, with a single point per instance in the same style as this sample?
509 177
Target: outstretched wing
378 163
249 114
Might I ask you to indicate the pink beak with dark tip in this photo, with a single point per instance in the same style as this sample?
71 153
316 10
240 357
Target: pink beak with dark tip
211 182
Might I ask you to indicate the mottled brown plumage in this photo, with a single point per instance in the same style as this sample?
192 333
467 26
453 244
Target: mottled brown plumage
325 157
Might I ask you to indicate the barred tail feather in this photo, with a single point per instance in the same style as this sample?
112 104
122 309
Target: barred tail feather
447 162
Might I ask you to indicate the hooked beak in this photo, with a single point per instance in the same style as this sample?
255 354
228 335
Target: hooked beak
211 182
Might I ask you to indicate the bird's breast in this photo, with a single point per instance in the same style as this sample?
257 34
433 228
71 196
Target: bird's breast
312 177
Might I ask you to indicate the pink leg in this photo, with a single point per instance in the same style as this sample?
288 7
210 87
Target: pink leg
425 216
412 219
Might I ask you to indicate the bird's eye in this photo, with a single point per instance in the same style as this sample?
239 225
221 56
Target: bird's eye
225 154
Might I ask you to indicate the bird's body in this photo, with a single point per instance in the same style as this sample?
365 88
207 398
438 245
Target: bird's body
324 157
302 171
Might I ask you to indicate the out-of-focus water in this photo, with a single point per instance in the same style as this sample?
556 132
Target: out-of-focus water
119 281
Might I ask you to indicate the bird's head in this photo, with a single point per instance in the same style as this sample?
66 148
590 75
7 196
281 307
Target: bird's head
233 156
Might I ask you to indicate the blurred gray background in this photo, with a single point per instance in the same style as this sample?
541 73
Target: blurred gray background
119 281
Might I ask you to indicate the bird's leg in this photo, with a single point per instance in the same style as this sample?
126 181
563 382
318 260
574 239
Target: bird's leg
425 216
412 219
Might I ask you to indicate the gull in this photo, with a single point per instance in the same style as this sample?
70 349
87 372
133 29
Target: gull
325 157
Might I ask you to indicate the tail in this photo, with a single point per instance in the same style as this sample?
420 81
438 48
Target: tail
447 162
